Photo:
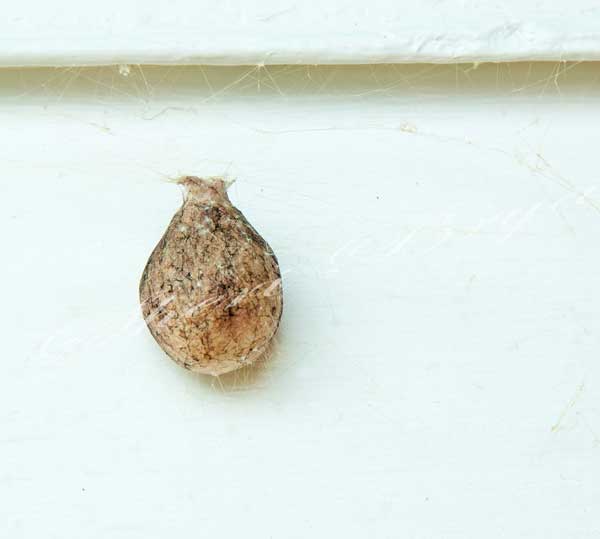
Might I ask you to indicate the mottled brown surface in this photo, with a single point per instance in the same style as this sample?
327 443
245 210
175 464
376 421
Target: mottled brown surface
211 291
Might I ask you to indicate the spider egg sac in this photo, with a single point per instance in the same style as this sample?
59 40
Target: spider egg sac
211 290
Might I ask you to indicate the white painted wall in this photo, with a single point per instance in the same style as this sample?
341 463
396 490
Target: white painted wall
71 32
436 373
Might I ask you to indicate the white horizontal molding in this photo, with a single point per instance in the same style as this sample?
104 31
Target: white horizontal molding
269 32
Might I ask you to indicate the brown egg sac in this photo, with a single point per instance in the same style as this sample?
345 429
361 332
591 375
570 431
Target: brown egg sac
211 291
